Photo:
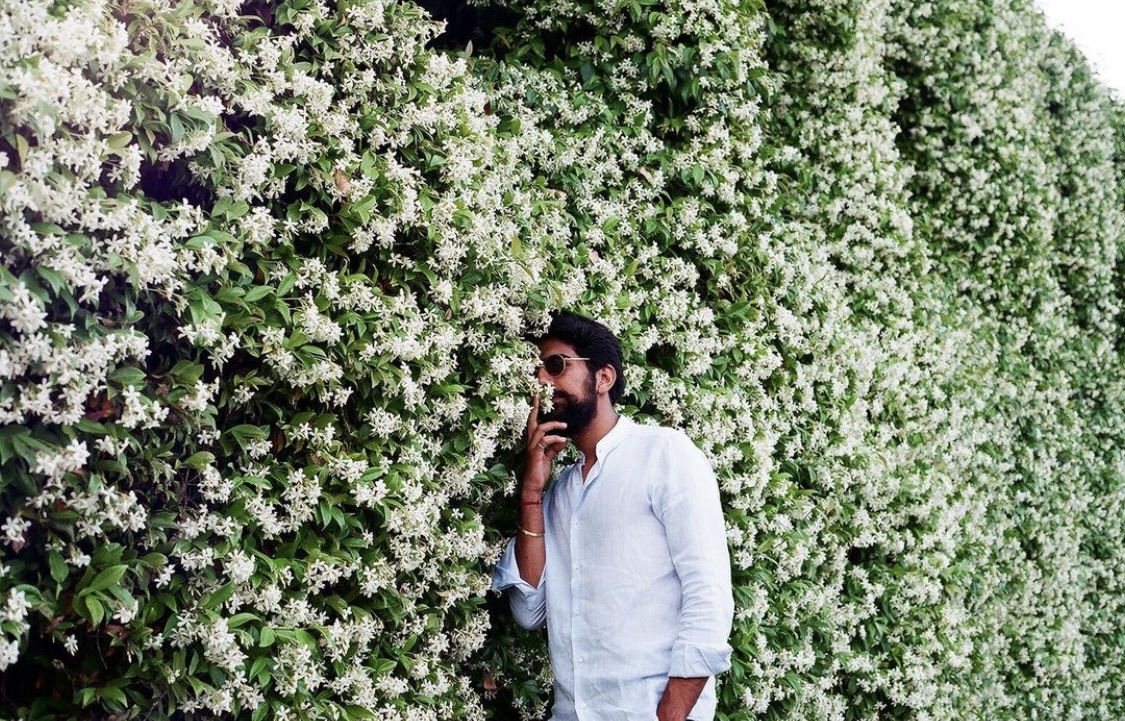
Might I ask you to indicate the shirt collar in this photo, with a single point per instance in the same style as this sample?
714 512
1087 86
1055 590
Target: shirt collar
613 439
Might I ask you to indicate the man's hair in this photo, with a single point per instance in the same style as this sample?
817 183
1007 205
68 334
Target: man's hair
591 340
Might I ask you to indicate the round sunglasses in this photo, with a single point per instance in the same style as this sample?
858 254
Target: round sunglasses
555 364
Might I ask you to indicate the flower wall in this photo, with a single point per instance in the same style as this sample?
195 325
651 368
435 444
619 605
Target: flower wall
267 271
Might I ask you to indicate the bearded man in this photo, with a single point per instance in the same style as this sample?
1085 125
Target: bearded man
623 557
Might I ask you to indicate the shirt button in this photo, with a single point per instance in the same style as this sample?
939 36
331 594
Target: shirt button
580 659
583 705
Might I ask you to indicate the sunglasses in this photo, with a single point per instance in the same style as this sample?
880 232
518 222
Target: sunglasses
555 365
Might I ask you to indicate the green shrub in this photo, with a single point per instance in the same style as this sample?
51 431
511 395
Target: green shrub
268 268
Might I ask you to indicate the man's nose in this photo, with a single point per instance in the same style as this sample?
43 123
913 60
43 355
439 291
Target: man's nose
544 377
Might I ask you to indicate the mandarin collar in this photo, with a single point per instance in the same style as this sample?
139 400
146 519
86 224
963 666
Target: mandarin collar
613 439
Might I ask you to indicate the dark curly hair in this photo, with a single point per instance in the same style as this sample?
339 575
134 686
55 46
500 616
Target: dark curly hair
591 340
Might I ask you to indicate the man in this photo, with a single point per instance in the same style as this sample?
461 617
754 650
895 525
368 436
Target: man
624 557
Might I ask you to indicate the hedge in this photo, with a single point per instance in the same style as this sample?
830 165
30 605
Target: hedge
267 270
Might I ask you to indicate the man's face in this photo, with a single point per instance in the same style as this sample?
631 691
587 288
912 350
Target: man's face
575 398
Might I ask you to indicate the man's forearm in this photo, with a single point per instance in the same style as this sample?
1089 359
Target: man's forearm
531 553
679 698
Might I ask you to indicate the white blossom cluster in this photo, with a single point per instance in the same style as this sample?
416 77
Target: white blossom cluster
72 236
1017 136
14 614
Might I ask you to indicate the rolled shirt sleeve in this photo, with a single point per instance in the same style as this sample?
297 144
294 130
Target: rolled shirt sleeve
688 504
529 604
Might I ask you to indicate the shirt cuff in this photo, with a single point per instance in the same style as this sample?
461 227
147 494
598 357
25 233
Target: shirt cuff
507 573
692 660
529 604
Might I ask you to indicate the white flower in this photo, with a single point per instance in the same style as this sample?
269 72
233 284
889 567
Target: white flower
165 576
17 606
78 559
55 465
14 529
23 311
200 396
9 653
125 612
240 566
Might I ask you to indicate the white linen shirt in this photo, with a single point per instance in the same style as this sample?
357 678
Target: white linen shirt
636 586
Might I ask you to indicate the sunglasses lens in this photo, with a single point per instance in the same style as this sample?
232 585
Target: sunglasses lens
554 364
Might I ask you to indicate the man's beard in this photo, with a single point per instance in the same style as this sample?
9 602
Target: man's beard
576 413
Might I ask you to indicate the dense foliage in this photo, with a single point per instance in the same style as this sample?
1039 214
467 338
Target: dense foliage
266 273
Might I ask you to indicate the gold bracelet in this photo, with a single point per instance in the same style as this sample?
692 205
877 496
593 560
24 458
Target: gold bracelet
526 532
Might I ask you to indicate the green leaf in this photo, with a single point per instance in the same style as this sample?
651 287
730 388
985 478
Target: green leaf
59 569
114 695
154 560
241 619
260 665
257 293
199 460
23 443
306 638
86 696
81 607
187 372
383 666
286 284
128 376
58 282
121 140
21 148
219 597
108 577
96 610
246 432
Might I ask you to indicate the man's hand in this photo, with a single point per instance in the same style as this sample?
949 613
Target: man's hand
542 447
679 698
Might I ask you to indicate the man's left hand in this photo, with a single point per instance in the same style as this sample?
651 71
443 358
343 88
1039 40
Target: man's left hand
679 698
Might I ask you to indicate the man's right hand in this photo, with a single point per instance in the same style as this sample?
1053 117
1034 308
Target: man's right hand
542 447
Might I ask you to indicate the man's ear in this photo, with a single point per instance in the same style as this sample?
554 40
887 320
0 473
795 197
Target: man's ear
606 377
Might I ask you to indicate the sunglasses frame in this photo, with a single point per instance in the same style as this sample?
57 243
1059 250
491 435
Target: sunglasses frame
565 359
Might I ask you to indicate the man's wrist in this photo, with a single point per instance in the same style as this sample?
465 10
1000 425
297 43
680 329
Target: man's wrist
531 495
679 698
